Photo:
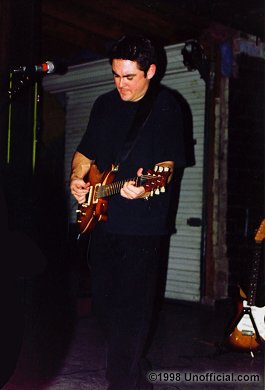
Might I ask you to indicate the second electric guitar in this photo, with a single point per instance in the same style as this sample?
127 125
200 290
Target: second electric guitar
248 329
102 186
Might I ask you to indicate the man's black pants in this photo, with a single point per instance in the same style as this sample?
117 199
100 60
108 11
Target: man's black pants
124 277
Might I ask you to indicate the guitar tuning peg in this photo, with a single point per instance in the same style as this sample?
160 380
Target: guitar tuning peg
157 192
156 168
152 193
160 169
166 169
162 189
78 211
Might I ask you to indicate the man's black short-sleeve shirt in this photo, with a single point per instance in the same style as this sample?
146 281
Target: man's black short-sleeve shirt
160 139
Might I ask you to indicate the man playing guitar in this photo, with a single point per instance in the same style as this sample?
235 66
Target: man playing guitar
136 126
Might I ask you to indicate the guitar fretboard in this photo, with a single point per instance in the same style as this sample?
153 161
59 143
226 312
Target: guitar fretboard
114 188
106 190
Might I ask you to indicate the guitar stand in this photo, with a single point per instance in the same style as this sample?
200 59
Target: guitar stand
221 347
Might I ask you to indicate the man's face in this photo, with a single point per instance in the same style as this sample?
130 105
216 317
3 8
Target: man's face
130 81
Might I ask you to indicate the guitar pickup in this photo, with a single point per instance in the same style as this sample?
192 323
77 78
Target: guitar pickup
95 193
247 332
89 195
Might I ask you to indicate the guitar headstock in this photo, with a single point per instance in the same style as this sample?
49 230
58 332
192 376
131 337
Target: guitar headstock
260 235
155 180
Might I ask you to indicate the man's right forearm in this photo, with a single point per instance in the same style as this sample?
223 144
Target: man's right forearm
80 166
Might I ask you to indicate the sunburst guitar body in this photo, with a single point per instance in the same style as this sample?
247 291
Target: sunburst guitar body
249 333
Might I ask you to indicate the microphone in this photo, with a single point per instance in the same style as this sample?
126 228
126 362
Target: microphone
47 67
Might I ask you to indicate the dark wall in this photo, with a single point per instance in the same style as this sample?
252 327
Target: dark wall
20 37
5 27
32 177
22 28
245 169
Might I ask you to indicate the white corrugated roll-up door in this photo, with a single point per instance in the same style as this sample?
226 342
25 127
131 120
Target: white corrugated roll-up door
184 264
82 84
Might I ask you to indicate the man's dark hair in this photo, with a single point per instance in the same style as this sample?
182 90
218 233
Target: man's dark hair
134 48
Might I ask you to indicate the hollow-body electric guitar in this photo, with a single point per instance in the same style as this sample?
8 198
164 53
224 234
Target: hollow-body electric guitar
248 330
102 186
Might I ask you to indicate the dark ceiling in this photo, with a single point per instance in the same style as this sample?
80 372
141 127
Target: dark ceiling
82 30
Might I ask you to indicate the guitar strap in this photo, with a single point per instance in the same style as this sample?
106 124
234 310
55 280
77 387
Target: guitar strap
141 117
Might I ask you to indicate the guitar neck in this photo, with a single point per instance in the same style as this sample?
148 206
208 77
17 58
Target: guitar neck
114 188
153 182
254 276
